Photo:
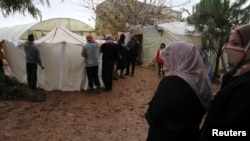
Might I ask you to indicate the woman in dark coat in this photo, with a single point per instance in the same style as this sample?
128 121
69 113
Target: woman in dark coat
182 97
230 109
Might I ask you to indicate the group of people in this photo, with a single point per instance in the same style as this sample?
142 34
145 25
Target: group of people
114 54
116 57
184 98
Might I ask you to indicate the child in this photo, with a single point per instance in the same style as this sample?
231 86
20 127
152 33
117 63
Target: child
160 61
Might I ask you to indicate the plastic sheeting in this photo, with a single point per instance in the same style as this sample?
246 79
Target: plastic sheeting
15 32
20 32
207 57
170 32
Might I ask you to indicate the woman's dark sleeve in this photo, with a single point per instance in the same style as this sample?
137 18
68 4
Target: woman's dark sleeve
165 100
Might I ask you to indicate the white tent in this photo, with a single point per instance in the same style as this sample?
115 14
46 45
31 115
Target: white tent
20 32
15 32
60 52
166 33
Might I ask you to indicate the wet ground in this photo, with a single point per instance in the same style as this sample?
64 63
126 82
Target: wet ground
117 115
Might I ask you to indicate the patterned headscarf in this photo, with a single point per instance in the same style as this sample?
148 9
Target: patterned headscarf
184 60
244 34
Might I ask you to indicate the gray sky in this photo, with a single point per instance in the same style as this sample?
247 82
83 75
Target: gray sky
67 9
57 9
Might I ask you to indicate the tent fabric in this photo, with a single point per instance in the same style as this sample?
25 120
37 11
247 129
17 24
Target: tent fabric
20 32
72 25
15 57
151 42
206 54
60 52
170 32
61 34
15 32
135 30
64 66
179 28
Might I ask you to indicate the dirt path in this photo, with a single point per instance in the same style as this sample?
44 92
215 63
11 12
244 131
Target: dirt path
78 116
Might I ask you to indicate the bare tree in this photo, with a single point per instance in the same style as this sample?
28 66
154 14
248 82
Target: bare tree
119 12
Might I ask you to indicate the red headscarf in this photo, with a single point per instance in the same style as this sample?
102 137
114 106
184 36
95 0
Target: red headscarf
90 38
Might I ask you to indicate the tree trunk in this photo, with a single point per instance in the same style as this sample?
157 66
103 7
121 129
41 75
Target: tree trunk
224 62
217 63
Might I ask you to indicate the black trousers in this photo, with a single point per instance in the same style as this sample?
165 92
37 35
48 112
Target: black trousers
92 74
121 65
107 74
31 69
130 61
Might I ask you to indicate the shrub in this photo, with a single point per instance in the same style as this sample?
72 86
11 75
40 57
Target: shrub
12 89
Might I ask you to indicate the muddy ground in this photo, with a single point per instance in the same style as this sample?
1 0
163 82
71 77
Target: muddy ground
117 115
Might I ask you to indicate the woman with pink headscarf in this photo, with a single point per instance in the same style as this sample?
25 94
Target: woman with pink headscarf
229 113
182 97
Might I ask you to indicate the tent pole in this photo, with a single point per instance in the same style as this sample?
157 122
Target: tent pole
62 65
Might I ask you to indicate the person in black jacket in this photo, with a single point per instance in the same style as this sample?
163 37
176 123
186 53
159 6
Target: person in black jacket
182 97
109 51
230 108
121 62
133 50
